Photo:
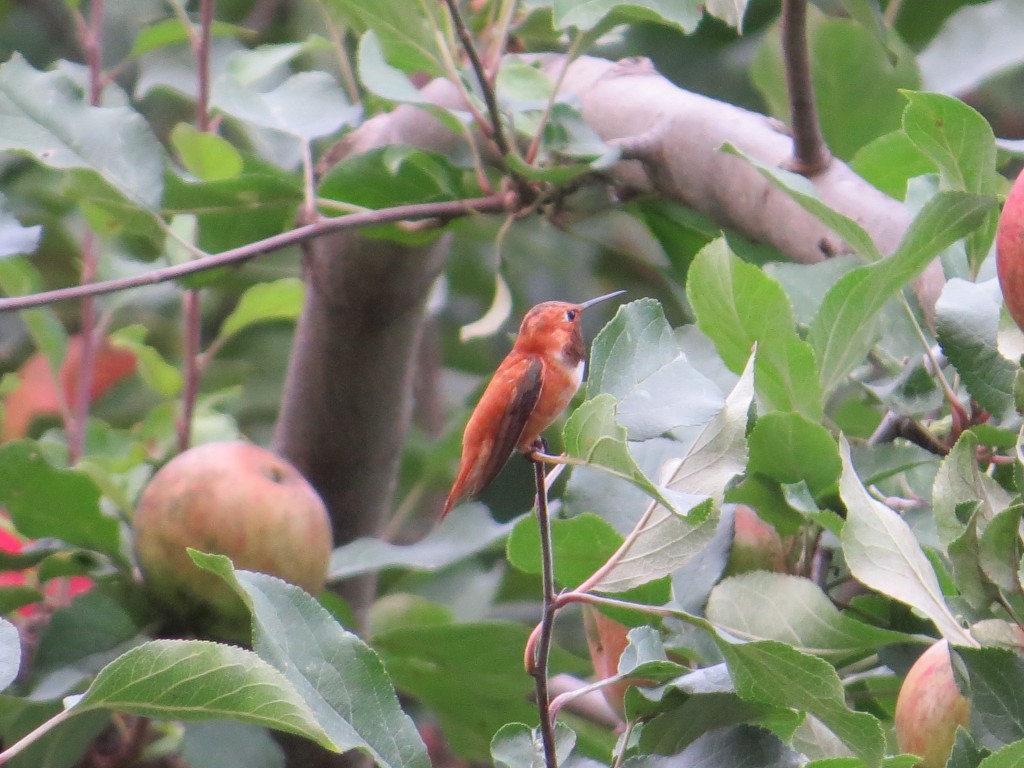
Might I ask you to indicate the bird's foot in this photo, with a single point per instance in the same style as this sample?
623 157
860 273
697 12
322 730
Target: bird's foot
539 454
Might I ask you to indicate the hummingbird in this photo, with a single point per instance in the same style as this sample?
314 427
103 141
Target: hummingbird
531 387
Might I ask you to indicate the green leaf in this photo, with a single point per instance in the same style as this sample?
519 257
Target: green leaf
517 745
636 359
1000 550
19 277
882 553
644 657
14 597
876 463
955 137
307 105
205 155
557 173
44 116
729 11
341 680
890 161
10 653
407 36
581 545
391 83
173 31
961 143
270 61
967 323
740 746
838 332
773 673
683 15
393 175
468 530
474 691
259 203
593 435
790 448
159 375
93 623
661 542
1010 756
965 753
997 711
279 300
200 680
62 747
227 744
737 306
47 502
15 238
520 85
705 715
960 481
792 610
807 284
868 14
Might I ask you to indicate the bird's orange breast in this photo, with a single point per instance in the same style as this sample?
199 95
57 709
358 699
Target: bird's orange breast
559 382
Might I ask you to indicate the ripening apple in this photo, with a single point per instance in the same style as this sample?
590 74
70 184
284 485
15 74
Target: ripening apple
756 545
606 640
1010 251
234 499
36 393
930 707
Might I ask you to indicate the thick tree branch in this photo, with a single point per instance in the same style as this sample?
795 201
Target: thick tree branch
676 136
347 399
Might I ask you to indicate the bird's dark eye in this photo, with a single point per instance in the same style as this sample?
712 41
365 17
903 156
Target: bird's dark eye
570 314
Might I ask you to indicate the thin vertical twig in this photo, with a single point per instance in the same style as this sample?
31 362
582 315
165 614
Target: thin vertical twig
490 99
202 52
191 303
539 664
810 155
78 411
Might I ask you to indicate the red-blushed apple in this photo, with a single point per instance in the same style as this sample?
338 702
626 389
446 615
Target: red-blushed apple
606 640
36 393
234 499
930 707
1010 251
756 545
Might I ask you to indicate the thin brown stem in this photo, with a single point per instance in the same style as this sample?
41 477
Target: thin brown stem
93 45
89 341
539 666
337 35
192 321
201 46
191 301
78 408
443 211
810 155
490 99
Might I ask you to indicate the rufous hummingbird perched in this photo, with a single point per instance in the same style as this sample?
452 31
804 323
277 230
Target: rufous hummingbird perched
531 387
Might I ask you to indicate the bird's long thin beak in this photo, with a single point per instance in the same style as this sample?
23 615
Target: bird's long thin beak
592 302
